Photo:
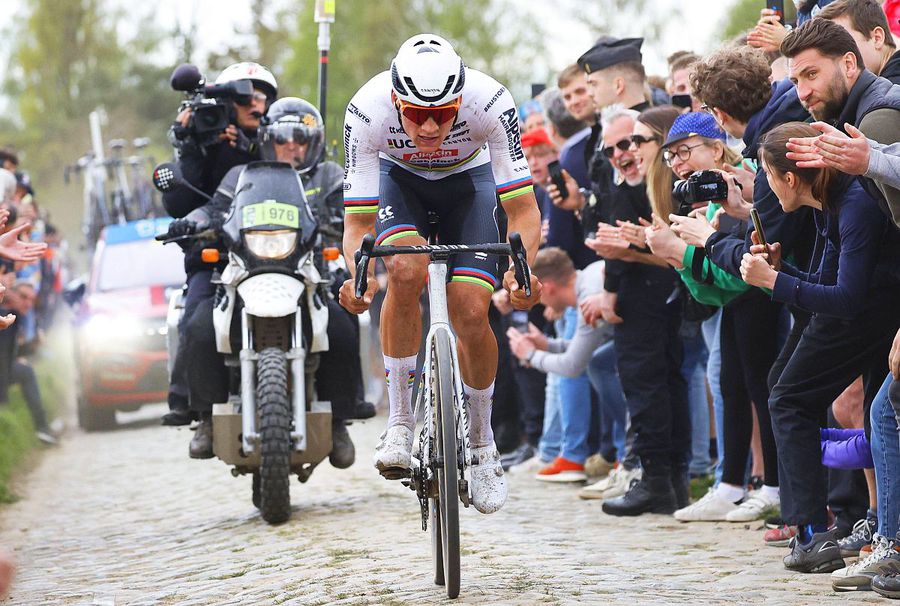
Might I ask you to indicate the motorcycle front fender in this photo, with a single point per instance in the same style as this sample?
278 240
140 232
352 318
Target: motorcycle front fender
271 295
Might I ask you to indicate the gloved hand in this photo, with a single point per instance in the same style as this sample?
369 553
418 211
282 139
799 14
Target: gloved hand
182 227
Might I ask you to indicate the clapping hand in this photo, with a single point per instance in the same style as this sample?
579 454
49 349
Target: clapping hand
834 149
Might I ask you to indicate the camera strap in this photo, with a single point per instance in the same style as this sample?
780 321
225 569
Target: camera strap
697 264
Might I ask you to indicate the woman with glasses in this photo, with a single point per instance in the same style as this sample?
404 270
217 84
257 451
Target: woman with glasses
746 344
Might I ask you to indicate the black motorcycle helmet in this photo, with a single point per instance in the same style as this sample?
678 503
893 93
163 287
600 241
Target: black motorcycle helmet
292 118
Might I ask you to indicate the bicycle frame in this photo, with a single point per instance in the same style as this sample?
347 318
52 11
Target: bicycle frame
440 321
434 477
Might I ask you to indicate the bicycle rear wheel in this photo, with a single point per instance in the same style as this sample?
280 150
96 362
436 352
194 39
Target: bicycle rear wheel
447 465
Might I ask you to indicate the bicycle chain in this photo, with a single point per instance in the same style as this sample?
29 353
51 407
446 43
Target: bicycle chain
420 475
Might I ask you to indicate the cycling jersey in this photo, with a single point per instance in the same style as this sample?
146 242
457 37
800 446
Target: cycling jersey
486 130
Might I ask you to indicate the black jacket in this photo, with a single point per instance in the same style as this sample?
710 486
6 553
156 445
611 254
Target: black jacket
795 231
205 169
891 70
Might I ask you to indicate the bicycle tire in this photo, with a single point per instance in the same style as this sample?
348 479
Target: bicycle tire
448 467
437 547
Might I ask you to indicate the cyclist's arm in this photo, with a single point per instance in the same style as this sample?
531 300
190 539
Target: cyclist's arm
511 174
525 218
361 180
357 225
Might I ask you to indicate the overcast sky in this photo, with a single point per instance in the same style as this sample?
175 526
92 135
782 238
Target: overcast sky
695 31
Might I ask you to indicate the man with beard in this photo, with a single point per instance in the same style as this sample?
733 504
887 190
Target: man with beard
834 85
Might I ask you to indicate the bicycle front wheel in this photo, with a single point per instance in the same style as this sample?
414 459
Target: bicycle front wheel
447 466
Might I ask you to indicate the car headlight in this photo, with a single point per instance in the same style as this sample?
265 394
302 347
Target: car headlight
271 244
104 330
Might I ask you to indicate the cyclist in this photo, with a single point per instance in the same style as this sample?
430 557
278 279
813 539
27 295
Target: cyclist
432 138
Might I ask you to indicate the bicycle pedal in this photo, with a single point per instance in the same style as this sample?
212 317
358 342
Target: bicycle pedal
394 473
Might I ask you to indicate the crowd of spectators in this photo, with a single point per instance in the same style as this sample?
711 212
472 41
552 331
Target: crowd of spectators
31 278
679 344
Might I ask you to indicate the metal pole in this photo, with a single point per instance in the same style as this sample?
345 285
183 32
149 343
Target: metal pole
324 16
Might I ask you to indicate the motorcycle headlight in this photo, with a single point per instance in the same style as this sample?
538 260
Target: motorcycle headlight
271 244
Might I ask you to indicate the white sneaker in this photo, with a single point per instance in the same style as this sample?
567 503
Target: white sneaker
754 507
394 450
614 485
528 467
711 508
488 485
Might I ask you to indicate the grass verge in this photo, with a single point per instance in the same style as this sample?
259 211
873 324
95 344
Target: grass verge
17 439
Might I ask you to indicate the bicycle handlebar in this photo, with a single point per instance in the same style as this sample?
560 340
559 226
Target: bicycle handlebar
515 249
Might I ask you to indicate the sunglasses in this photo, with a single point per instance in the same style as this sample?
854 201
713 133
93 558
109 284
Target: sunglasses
420 115
247 100
623 145
639 140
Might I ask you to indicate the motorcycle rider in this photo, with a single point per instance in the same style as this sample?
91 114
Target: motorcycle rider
293 133
204 168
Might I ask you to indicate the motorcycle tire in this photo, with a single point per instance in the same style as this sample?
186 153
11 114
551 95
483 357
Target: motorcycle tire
255 489
273 404
448 467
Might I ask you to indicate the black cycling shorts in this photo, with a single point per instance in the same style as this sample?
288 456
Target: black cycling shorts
465 206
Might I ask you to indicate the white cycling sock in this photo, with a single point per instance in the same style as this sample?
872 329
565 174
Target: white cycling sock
480 401
399 374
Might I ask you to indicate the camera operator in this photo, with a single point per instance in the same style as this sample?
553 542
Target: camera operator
293 133
204 158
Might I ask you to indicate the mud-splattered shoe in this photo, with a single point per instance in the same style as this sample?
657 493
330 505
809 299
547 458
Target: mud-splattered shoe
489 489
392 455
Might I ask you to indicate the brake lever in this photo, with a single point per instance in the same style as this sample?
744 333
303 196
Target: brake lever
362 257
520 262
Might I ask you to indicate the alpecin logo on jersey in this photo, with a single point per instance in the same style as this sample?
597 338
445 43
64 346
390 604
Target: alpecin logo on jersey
356 112
510 122
435 155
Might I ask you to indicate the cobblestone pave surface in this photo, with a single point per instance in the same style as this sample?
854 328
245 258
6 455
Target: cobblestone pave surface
125 518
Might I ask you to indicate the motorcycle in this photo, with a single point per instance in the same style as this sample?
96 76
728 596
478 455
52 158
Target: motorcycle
270 317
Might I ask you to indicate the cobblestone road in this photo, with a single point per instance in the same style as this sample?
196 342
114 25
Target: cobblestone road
125 518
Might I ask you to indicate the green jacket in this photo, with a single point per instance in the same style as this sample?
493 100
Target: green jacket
725 286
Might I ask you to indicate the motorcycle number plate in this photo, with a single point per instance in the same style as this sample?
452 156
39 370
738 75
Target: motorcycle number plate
271 212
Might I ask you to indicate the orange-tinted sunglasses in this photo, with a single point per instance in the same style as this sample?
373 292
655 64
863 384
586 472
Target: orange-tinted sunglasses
420 115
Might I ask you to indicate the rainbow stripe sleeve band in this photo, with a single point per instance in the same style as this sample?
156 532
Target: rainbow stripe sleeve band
360 205
512 189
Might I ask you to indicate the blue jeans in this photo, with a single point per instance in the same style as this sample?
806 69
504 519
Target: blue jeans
886 454
551 436
711 335
613 410
550 444
694 371
575 403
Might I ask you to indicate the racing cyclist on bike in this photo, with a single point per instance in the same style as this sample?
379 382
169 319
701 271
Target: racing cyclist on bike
433 139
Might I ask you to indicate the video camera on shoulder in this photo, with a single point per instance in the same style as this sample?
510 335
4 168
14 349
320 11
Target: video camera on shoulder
702 186
211 104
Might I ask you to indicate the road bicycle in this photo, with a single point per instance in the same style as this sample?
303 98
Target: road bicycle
438 473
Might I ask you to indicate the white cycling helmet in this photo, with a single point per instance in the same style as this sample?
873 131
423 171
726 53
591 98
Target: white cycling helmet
256 73
427 71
